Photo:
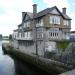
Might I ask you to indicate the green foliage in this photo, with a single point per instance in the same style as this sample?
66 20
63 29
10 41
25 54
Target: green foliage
0 36
49 54
62 44
10 37
73 50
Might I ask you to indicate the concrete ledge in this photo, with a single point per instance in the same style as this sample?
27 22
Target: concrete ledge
72 72
47 65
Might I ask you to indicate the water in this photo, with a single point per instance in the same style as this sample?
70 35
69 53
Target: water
6 63
7 66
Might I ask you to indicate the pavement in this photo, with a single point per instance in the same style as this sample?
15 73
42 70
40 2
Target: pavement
72 72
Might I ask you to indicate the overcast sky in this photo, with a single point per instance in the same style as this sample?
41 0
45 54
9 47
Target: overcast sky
10 11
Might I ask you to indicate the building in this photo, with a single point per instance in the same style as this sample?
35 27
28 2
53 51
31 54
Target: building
39 31
72 36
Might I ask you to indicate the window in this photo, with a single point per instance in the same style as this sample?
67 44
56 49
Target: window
39 23
19 34
20 27
54 20
27 34
39 32
51 34
26 24
55 34
66 22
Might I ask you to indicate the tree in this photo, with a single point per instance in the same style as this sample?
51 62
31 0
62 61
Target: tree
10 37
0 36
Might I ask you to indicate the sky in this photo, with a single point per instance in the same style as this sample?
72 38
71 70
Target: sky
11 11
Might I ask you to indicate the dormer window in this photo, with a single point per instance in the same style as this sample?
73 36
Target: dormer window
66 22
54 20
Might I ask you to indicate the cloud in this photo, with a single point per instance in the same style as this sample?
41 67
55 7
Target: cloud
16 5
59 3
11 16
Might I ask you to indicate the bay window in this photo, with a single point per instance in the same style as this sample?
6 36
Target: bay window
66 22
54 20
28 34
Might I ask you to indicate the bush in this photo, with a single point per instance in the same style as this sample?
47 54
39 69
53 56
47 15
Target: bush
62 45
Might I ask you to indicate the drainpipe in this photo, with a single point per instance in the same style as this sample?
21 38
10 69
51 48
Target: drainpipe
34 27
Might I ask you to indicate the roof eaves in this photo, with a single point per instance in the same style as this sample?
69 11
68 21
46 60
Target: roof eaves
19 25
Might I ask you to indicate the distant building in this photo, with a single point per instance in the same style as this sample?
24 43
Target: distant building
0 36
72 36
41 30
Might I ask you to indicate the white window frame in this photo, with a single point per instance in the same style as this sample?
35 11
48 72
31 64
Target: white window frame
54 19
66 22
25 25
28 24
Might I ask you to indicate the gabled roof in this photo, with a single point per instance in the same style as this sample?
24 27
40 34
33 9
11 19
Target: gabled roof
29 14
19 25
48 10
66 16
15 30
45 12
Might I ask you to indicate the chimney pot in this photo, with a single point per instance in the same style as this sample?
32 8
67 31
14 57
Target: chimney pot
64 10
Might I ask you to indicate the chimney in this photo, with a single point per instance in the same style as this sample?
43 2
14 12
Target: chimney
34 10
64 10
23 14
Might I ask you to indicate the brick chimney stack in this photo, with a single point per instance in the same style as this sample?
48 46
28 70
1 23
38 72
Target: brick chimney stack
34 10
23 14
64 10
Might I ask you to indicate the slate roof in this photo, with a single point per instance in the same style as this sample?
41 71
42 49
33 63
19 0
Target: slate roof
30 15
66 16
19 25
46 11
15 30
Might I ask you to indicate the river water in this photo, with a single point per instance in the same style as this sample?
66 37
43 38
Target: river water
6 64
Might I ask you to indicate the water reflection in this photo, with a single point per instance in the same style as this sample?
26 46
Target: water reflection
6 64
